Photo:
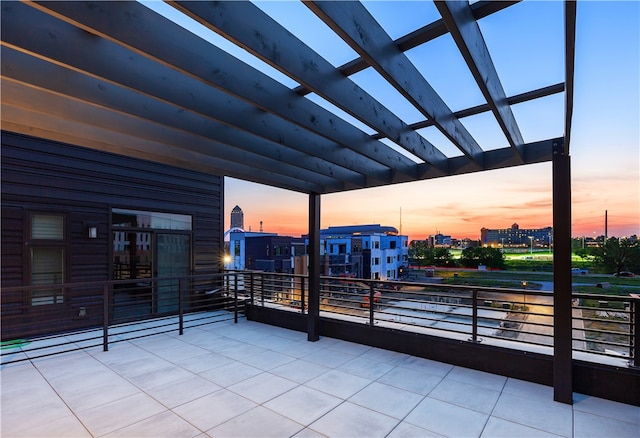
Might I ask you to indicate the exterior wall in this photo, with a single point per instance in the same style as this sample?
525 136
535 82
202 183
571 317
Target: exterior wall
516 236
84 185
377 256
261 251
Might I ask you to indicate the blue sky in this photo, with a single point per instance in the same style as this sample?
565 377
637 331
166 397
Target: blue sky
526 45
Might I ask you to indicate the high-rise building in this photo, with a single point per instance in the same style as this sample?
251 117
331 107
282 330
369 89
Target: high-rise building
237 218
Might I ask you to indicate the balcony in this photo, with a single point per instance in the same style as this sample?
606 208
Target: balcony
394 359
252 379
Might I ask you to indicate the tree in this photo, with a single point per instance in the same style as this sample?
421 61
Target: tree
578 248
490 257
420 253
443 257
617 255
424 255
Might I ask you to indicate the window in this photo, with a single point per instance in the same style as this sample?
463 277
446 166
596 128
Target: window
47 249
376 244
389 259
150 219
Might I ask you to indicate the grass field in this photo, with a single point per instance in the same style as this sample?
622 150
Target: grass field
514 279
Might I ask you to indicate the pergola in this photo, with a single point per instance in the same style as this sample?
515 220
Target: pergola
120 77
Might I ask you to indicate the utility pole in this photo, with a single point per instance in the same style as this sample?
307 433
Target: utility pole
606 225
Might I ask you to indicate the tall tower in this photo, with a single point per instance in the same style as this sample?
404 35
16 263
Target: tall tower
237 218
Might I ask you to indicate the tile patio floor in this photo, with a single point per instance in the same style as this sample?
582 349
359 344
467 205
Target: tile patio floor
255 380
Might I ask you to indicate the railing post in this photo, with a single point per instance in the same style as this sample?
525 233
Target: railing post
235 298
634 329
105 319
474 316
262 289
251 291
302 295
371 296
180 309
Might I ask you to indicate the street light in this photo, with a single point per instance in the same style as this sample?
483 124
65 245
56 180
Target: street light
531 238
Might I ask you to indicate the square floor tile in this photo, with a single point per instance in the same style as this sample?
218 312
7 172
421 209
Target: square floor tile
89 395
259 422
367 368
387 399
17 414
547 415
499 428
422 365
262 388
589 425
350 420
414 381
607 408
329 358
205 362
268 360
465 395
338 384
213 409
406 430
115 415
299 370
162 425
308 433
447 419
161 376
386 356
349 347
525 389
303 405
477 378
230 374
182 391
241 351
300 349
65 426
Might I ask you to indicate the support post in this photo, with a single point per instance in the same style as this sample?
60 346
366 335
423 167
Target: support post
634 329
562 311
302 297
313 315
235 298
105 318
251 290
180 308
474 316
371 298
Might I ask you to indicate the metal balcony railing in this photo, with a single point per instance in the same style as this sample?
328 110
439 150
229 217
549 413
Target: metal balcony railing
605 327
97 314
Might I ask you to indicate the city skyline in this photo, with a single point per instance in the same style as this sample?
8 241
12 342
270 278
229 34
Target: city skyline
604 139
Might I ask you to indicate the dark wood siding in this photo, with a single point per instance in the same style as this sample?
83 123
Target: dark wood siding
84 184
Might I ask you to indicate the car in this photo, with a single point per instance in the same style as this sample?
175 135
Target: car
625 274
579 271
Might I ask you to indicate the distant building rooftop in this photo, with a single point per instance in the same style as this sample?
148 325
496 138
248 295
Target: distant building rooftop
359 229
